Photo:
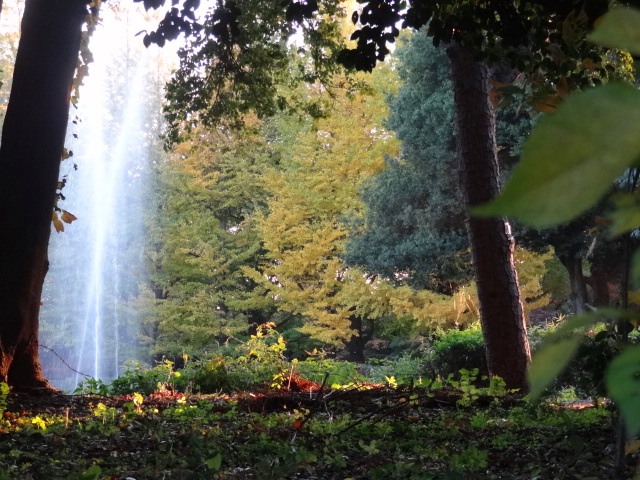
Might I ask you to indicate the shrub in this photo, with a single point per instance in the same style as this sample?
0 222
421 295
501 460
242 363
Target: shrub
587 369
459 349
585 372
316 367
405 369
138 378
298 343
253 363
212 376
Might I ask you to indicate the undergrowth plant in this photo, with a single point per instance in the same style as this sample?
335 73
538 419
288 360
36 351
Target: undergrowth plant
260 363
4 392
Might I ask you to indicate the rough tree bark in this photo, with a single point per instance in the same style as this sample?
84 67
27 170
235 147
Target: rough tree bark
492 244
32 144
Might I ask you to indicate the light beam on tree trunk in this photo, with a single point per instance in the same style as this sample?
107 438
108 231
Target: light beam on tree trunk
492 244
32 144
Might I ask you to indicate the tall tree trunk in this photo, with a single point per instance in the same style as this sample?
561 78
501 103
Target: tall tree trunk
492 244
601 276
579 296
32 143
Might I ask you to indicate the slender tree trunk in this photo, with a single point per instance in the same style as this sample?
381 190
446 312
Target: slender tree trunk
32 144
492 244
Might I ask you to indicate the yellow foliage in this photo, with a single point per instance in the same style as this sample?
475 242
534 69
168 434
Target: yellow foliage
378 298
531 268
303 233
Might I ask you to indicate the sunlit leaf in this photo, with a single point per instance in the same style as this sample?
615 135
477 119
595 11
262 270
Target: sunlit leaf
572 157
559 348
57 224
623 386
67 217
620 28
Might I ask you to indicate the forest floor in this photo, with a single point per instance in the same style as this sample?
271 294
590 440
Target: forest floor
354 433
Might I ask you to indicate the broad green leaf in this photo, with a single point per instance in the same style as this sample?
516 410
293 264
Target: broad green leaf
548 362
214 463
572 157
559 348
626 216
620 28
623 385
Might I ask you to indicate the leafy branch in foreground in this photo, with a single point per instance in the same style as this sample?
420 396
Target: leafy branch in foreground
568 164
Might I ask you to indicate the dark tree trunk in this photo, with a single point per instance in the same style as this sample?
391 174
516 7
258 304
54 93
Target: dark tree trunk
492 244
32 143
599 281
579 295
355 345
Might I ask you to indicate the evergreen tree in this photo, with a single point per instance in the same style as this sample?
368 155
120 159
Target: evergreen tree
414 229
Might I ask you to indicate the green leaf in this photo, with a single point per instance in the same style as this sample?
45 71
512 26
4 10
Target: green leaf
623 385
559 348
626 216
620 28
214 463
572 157
548 362
92 473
